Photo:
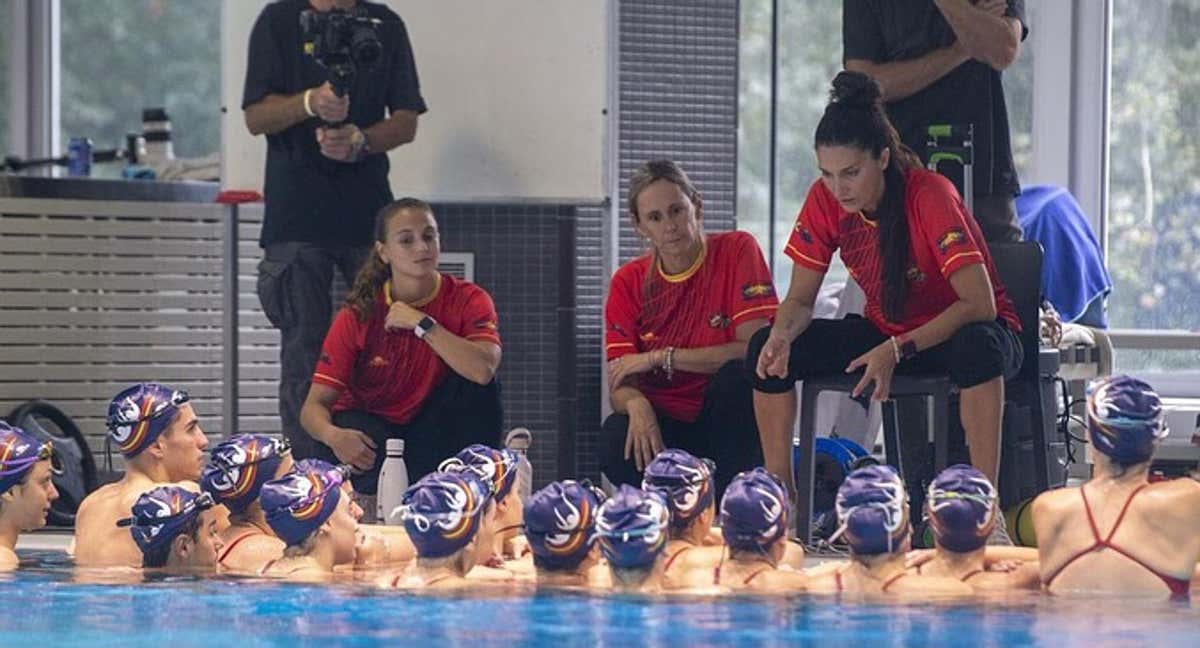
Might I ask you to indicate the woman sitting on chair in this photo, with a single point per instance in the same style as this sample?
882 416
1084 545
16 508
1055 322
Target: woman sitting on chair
412 355
1118 533
677 322
934 302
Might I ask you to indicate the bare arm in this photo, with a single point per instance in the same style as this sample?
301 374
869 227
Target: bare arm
796 310
475 360
902 79
316 417
275 113
399 128
709 359
995 40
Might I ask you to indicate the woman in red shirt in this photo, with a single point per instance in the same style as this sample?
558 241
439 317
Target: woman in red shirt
934 302
677 322
413 355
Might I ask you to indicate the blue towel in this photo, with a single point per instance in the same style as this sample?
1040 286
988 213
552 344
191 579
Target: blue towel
1074 278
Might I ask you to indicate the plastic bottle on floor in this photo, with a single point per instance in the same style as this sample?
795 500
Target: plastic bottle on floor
518 440
393 481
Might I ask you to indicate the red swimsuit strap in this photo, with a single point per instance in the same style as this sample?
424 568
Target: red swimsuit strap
971 575
754 574
1101 542
235 542
893 579
671 559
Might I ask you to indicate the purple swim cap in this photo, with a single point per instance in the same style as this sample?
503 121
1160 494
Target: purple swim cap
139 414
685 480
872 507
162 513
560 523
632 527
961 504
298 503
754 511
239 466
496 468
1125 419
443 512
19 451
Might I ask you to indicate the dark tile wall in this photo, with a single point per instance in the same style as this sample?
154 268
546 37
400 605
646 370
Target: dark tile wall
524 257
678 70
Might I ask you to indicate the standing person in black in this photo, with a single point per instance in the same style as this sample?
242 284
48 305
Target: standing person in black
939 62
323 184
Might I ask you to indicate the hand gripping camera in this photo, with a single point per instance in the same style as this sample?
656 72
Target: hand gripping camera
344 42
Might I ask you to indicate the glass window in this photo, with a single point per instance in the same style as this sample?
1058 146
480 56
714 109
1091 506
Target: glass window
1153 220
4 97
120 56
809 56
1018 96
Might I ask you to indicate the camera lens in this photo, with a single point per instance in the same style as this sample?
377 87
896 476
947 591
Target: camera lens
365 47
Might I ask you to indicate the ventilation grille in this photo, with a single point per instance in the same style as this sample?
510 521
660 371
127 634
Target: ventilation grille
458 264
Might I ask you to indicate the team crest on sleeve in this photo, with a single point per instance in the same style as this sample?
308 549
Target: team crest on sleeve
805 235
953 236
719 321
325 359
756 289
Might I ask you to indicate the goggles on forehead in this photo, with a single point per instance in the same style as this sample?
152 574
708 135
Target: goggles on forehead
45 451
201 502
178 397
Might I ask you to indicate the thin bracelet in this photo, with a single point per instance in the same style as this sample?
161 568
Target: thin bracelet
895 348
307 108
669 367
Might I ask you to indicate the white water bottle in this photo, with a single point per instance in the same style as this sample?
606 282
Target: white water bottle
518 440
393 481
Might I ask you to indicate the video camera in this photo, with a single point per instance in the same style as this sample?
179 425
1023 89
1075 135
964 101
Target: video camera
345 42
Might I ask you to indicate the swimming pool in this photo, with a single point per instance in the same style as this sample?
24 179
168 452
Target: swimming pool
46 606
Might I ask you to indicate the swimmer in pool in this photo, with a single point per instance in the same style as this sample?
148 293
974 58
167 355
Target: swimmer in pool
175 530
560 525
311 512
235 475
157 432
686 482
1118 533
446 514
632 526
962 509
26 489
498 470
872 509
754 523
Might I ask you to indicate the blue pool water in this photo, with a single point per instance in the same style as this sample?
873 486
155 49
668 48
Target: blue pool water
50 606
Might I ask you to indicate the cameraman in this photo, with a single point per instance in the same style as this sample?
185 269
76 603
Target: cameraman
323 184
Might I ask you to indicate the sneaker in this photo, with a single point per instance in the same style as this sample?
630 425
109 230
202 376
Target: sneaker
1000 537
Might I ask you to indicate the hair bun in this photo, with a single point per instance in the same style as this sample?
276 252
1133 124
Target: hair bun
856 90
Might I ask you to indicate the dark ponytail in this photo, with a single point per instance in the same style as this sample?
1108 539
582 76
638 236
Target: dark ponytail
855 118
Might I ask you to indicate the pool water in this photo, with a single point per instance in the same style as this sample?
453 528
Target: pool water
50 604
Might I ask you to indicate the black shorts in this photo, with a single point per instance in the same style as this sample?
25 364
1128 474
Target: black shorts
975 354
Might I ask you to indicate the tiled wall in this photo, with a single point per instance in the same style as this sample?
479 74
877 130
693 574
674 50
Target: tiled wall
678 70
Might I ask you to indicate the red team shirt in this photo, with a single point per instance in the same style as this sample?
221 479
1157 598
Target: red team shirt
702 306
392 373
943 237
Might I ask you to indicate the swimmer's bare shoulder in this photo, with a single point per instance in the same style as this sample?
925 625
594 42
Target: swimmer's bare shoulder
935 585
778 580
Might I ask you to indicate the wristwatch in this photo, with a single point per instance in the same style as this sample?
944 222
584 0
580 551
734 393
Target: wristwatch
908 348
424 326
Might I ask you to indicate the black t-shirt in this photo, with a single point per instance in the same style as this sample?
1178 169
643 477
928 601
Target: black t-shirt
883 31
309 196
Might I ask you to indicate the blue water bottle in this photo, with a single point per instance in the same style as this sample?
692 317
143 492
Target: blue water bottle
79 157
